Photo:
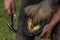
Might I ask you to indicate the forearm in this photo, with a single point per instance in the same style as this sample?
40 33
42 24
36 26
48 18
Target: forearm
55 19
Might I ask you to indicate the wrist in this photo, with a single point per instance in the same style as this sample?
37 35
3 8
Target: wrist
50 25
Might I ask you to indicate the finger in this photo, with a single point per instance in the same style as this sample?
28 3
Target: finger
42 34
13 7
8 9
6 6
47 35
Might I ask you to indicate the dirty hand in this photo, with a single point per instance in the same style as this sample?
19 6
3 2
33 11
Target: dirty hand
46 31
9 6
48 27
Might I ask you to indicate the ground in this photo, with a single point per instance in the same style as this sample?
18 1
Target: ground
5 33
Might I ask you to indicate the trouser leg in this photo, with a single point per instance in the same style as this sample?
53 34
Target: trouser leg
55 35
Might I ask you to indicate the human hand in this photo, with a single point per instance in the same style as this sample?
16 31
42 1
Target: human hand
9 6
46 31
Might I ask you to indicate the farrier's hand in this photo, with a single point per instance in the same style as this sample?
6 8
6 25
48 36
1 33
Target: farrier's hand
46 31
9 6
48 27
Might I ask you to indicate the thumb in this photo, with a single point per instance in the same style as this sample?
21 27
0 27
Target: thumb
13 8
42 34
9 11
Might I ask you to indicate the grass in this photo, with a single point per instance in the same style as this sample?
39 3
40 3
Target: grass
5 33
